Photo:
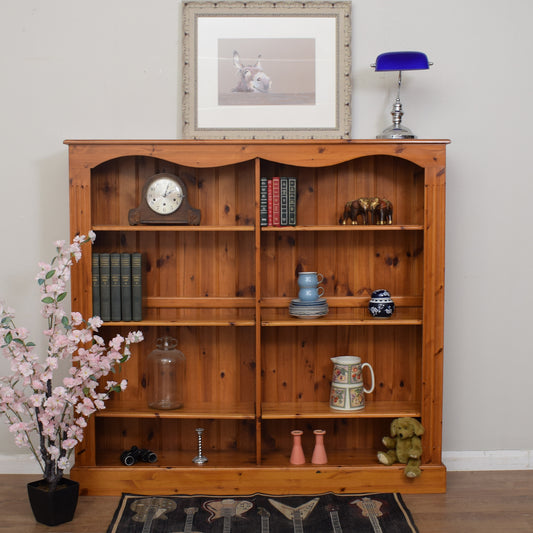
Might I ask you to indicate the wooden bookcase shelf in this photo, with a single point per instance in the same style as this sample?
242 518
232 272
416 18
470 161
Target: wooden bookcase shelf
385 409
223 290
347 227
199 411
173 229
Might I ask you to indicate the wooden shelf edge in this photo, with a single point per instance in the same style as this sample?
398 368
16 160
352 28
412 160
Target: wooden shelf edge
184 322
244 411
346 227
205 479
309 227
324 321
289 410
298 322
154 227
270 411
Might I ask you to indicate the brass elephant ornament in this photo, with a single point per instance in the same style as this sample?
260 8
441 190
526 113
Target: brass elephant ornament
367 211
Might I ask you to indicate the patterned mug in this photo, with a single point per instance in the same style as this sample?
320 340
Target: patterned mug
309 279
310 294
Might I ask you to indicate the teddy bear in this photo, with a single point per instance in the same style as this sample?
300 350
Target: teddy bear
404 445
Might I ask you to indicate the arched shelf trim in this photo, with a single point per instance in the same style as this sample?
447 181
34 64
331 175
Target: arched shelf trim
289 152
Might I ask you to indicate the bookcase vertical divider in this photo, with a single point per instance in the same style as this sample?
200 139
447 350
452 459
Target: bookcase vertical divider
258 364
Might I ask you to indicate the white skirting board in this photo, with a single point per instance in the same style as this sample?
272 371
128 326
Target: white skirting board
454 461
19 464
488 460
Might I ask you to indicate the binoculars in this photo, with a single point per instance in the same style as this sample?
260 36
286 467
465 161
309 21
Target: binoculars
134 455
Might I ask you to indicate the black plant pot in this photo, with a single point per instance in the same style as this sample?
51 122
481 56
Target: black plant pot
53 507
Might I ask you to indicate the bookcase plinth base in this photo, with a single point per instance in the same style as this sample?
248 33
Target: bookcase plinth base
306 479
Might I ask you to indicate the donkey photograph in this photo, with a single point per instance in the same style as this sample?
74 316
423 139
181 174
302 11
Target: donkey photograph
266 71
252 79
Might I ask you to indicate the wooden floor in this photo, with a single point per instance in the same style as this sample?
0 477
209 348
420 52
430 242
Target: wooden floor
476 502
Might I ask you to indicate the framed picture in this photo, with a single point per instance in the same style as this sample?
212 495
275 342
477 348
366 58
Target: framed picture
259 69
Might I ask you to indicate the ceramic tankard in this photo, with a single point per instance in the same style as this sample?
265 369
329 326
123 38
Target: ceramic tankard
309 279
347 388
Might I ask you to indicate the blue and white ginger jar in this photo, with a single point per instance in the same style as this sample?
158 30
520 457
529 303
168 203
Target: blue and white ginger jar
381 304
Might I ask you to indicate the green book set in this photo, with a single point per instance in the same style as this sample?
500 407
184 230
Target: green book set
117 286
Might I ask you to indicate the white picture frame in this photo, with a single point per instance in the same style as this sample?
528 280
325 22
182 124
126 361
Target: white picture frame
264 70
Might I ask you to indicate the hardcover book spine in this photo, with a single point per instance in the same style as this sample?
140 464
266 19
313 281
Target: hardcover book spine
263 202
125 286
292 201
275 201
116 307
105 287
96 283
283 201
136 286
269 202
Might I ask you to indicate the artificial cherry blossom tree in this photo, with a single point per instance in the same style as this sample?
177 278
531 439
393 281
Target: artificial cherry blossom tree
49 415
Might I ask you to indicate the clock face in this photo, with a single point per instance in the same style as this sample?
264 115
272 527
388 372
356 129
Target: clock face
164 196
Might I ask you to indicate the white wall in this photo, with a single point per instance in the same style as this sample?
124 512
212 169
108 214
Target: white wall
111 69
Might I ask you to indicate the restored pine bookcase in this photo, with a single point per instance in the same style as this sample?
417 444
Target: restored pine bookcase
223 289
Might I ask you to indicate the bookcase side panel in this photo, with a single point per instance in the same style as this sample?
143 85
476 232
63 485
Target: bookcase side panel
434 312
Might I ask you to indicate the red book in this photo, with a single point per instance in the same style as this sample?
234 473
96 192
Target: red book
275 202
269 202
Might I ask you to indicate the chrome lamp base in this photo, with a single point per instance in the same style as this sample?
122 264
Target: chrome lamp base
397 130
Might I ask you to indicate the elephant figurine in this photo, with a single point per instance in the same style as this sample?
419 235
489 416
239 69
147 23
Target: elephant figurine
353 210
372 210
382 212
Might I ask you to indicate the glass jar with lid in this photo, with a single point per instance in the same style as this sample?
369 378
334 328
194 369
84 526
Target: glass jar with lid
165 375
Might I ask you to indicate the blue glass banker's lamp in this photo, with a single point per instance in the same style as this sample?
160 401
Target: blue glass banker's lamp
399 61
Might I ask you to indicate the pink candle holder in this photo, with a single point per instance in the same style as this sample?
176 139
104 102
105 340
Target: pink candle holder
319 453
297 453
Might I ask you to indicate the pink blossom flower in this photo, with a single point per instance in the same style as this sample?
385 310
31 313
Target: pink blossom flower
36 400
86 407
53 451
21 440
76 318
99 404
52 363
68 444
71 382
26 369
116 342
95 323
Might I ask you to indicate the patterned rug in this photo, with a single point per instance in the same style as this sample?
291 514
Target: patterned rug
264 513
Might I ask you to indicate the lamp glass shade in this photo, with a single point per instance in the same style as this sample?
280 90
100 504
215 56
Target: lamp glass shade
401 61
